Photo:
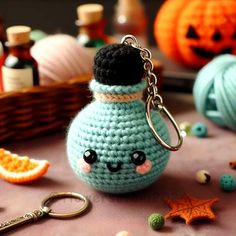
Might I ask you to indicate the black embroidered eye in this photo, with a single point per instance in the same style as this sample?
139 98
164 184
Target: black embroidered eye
138 158
192 34
217 36
90 156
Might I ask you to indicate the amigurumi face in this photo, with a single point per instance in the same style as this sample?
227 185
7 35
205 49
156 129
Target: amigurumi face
110 145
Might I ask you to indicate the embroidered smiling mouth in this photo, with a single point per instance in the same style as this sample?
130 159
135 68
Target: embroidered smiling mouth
114 167
201 52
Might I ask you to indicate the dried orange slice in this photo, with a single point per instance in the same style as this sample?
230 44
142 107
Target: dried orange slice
20 169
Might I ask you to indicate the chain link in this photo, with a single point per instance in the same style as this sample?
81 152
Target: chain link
154 100
148 67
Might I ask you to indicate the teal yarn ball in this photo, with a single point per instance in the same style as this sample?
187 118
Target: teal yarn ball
199 130
227 182
215 91
110 145
156 221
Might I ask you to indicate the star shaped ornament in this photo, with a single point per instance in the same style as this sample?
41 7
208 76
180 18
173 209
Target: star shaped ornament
191 209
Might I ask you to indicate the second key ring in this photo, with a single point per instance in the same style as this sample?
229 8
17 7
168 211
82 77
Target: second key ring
60 195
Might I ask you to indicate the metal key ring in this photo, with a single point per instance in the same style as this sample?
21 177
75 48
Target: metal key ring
59 195
163 109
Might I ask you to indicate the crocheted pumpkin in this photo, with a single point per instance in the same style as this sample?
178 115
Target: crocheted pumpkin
110 145
192 32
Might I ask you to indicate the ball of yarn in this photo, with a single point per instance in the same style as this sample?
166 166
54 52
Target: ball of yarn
60 57
215 91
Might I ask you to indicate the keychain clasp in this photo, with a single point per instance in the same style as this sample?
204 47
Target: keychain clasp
46 210
162 109
154 100
58 195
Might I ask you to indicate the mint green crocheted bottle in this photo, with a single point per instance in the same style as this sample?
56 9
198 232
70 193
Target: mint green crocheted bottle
110 145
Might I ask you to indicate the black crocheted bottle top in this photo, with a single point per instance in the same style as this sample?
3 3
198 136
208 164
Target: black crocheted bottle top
118 64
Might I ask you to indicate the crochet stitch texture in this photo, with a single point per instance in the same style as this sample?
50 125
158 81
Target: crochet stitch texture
114 131
118 64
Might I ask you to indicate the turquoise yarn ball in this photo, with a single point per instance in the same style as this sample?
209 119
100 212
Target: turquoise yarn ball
227 182
114 137
215 91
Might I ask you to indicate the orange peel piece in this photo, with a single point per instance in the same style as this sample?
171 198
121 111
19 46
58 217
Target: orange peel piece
20 169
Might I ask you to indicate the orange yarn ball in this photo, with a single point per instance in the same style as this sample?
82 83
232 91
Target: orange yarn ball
192 32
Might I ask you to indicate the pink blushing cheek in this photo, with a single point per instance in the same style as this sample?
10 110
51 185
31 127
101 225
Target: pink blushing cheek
85 167
144 168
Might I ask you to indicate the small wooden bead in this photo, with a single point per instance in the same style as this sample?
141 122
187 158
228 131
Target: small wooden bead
203 177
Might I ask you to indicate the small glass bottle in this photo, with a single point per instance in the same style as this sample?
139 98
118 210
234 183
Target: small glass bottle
3 50
19 70
91 26
2 37
130 18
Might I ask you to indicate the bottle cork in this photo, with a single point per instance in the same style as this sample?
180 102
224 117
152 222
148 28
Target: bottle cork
89 13
130 5
17 35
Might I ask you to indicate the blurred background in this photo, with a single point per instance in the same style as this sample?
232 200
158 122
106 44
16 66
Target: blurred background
58 16
183 39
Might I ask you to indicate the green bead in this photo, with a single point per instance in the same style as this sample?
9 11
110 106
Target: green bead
227 182
199 130
156 221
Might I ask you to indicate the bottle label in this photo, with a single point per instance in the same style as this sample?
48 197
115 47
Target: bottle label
1 49
14 79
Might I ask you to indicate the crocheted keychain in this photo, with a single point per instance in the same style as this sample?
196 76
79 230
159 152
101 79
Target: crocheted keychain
117 144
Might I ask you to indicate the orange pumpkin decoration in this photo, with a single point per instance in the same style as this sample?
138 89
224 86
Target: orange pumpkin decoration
192 32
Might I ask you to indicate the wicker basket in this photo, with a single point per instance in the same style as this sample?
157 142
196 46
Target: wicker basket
38 110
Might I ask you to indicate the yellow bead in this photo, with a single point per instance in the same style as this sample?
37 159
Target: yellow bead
186 127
